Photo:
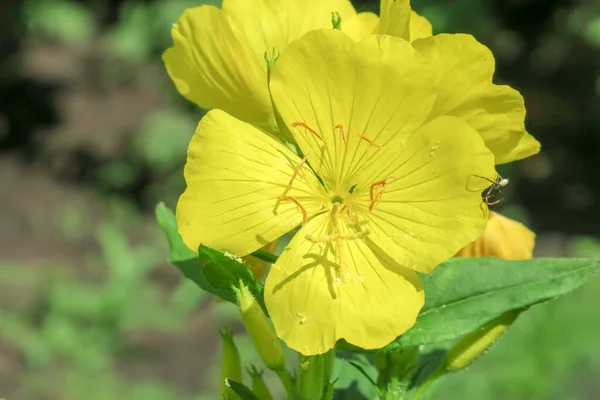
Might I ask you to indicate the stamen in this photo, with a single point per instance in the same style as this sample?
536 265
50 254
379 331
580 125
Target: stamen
302 124
304 215
375 197
339 238
297 170
337 227
371 143
341 128
348 209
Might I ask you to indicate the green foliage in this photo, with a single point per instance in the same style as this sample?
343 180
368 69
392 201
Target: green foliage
213 271
182 257
241 390
465 293
79 325
355 374
163 138
550 353
66 21
145 27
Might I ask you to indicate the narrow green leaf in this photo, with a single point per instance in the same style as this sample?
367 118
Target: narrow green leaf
182 257
265 256
465 293
241 390
353 374
362 371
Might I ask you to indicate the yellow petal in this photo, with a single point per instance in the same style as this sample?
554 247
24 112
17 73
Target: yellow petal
395 18
363 25
312 309
217 60
356 97
431 205
214 68
267 24
420 27
464 70
503 238
235 174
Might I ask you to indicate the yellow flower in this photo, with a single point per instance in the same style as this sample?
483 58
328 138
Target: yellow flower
217 60
380 192
503 238
463 70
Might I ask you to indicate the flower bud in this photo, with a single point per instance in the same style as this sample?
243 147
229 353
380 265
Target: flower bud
258 384
395 368
231 366
260 329
311 378
475 343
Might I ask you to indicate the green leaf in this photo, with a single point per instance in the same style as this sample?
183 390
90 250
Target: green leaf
214 271
224 270
241 390
465 293
182 257
355 374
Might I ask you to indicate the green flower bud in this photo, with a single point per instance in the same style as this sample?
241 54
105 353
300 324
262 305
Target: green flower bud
396 369
311 378
328 363
258 384
260 329
475 343
231 366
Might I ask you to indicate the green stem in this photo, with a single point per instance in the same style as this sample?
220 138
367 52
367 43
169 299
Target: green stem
265 256
431 379
287 382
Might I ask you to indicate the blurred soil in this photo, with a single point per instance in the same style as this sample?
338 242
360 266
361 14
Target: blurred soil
46 166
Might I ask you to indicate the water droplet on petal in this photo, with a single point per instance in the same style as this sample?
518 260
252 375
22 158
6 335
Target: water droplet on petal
434 148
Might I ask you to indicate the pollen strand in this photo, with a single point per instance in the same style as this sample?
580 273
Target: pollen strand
297 170
304 214
308 128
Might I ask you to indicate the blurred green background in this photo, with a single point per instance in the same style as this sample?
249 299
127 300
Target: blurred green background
93 135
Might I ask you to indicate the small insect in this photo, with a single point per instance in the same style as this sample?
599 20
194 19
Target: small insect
493 195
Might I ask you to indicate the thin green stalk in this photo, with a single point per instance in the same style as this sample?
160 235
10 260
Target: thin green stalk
287 382
265 256
431 379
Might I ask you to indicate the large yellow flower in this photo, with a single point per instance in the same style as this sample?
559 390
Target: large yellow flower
381 191
217 60
464 69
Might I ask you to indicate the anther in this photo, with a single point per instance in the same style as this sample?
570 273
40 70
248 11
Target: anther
304 215
348 209
308 128
376 196
371 143
341 128
297 170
